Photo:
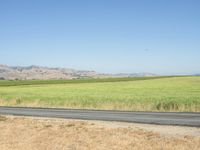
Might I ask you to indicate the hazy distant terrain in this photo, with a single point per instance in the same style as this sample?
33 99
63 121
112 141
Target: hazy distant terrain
44 73
37 72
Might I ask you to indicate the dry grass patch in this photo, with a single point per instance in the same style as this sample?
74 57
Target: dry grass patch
2 118
49 134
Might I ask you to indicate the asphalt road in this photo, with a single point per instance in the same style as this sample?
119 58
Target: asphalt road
181 119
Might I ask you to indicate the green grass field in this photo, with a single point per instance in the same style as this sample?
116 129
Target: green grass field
143 94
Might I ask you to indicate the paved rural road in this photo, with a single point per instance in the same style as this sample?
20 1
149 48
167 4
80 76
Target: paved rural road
182 119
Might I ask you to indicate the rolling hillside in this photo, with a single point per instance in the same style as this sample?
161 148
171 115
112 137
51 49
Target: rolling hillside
46 73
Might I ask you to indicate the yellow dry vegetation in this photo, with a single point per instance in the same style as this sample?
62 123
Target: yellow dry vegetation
50 134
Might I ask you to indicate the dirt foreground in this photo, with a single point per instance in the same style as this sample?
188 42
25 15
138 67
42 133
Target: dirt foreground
28 133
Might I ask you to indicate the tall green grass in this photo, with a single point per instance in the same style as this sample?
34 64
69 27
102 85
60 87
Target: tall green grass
147 94
38 82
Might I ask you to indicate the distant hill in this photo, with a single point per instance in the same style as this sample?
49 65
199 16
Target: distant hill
38 72
44 73
143 74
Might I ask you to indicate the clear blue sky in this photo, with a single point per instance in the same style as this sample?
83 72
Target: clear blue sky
158 36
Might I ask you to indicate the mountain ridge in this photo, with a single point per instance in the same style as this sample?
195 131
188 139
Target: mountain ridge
34 72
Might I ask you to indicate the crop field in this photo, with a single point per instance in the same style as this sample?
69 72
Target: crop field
138 94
